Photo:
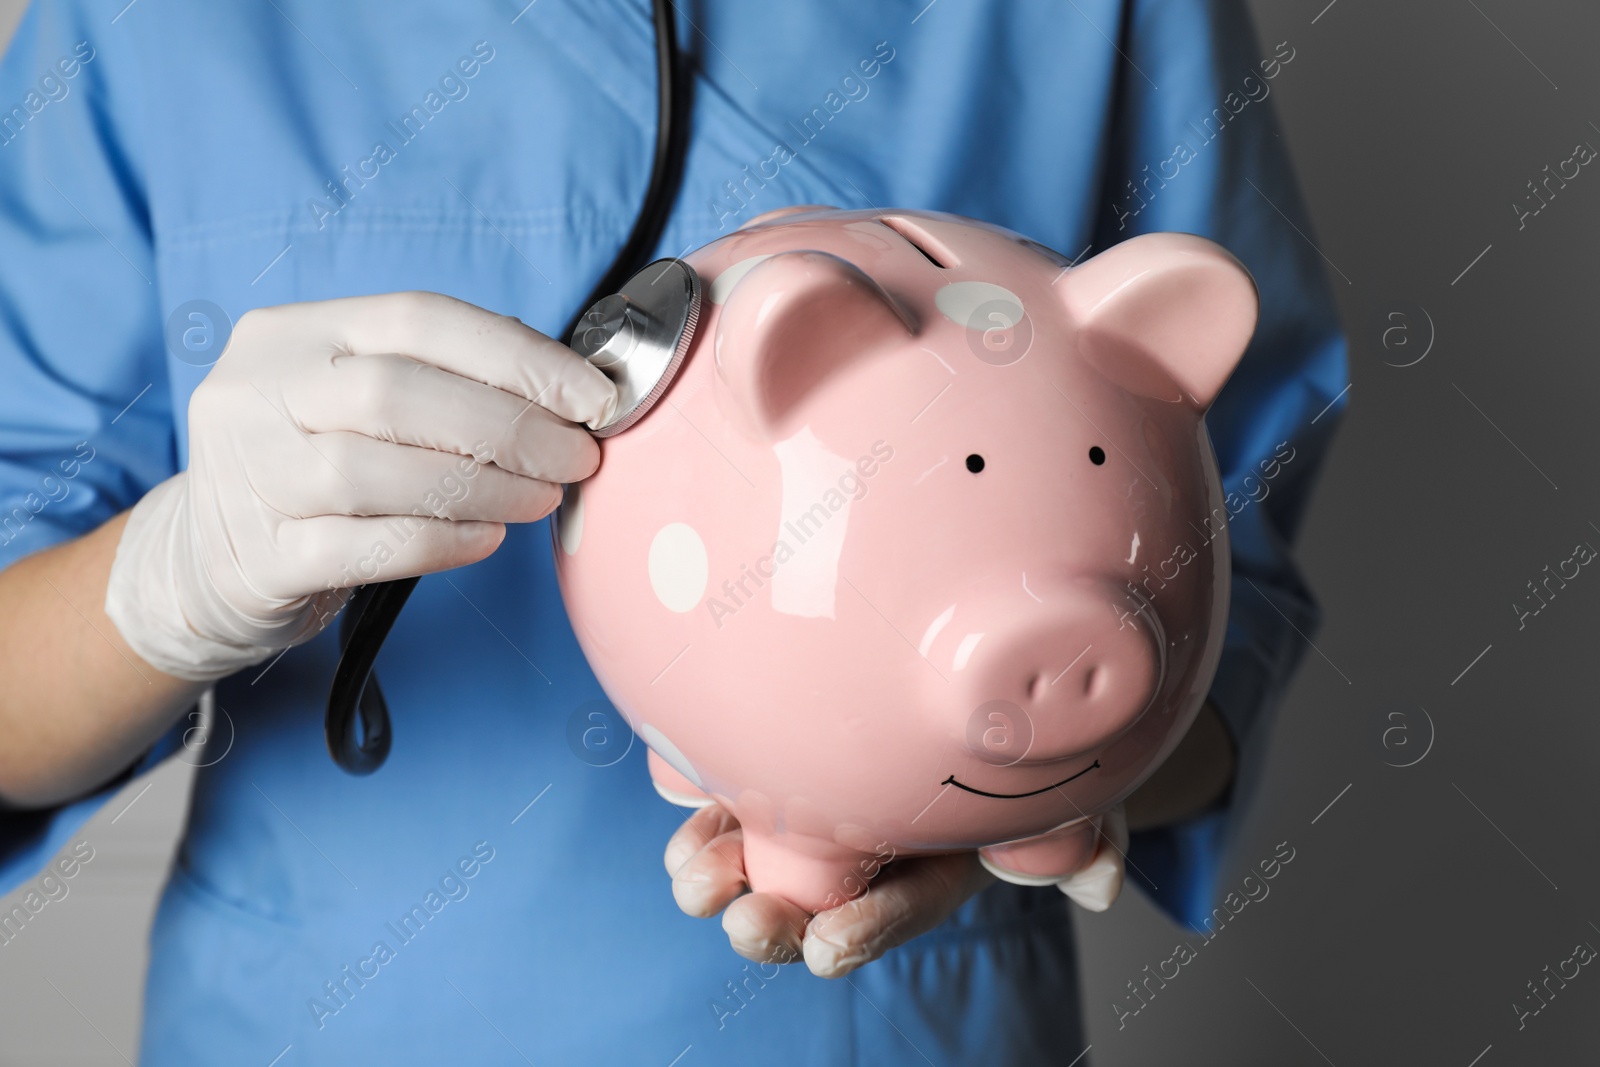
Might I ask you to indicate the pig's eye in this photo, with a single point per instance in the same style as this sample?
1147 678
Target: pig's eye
1097 455
974 463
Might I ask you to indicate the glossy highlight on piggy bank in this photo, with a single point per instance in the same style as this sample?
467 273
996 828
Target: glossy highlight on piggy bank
900 563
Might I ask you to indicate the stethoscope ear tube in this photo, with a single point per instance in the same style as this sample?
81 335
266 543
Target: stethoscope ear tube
666 168
355 694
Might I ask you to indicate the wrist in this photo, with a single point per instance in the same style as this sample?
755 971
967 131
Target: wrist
164 603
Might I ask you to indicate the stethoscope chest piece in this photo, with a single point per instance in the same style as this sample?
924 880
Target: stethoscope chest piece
638 337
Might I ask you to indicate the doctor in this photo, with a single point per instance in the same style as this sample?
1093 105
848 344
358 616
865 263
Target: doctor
226 369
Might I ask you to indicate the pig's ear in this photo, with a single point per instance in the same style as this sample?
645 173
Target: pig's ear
795 320
1165 315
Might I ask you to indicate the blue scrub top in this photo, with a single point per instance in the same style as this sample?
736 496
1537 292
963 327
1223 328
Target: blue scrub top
251 154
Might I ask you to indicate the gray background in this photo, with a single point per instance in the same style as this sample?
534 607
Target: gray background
1420 903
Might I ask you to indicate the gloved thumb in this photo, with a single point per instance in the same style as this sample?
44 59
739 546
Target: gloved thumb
1098 885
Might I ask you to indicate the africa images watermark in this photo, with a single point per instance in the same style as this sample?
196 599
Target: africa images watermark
52 87
50 888
851 889
1141 991
53 488
852 89
1251 90
850 486
337 993
452 488
1140 594
1582 555
737 997
1582 154
453 87
1526 1007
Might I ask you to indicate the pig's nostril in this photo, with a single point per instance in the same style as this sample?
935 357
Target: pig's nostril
1038 687
1071 665
1094 682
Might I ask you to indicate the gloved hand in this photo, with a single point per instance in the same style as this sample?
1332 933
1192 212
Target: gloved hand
340 443
1097 886
1096 879
910 897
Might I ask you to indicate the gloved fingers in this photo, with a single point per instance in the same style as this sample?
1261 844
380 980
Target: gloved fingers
697 831
1098 885
493 349
765 928
910 897
222 575
712 878
352 474
396 398
1114 827
340 551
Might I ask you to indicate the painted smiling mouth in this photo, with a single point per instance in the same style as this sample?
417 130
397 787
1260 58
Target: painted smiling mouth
1018 796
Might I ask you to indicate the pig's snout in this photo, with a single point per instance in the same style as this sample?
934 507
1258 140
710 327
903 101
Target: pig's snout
1059 675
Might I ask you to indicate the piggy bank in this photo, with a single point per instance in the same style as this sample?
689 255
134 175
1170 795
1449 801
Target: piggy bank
923 549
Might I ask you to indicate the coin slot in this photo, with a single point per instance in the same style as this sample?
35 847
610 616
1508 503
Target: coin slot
933 250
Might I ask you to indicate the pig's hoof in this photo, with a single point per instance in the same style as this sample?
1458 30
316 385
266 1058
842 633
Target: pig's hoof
1017 877
1071 859
1043 860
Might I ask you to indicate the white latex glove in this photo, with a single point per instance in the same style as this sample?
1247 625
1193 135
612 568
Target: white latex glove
340 443
1097 871
1097 886
705 858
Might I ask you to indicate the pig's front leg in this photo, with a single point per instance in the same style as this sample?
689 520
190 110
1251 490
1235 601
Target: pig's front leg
810 872
674 786
1084 860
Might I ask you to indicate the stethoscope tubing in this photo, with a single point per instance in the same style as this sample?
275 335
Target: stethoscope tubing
357 723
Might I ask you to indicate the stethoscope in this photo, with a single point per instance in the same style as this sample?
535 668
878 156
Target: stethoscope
635 326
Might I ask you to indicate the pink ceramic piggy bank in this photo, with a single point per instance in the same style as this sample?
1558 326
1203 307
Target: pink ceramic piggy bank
922 551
